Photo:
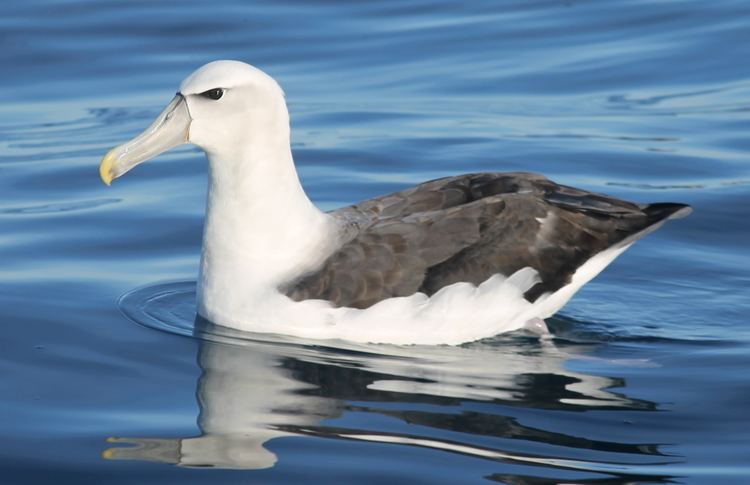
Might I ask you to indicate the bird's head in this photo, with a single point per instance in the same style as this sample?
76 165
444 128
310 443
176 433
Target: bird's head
224 107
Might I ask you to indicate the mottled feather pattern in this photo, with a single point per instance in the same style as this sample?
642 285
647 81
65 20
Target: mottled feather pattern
465 229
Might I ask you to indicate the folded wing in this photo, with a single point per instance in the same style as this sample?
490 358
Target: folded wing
468 228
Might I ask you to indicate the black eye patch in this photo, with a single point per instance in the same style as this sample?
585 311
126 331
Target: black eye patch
215 93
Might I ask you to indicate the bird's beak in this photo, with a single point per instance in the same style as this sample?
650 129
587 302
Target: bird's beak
171 128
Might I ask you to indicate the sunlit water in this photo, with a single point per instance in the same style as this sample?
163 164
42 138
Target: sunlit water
107 378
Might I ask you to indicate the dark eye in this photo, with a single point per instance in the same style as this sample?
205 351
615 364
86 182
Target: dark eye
215 93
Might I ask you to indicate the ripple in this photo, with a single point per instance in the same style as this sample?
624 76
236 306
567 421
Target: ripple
706 185
168 307
60 207
622 469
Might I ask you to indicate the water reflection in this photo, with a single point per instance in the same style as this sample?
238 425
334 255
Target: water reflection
245 397
473 400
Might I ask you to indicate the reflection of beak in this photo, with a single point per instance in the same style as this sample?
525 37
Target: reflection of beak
171 128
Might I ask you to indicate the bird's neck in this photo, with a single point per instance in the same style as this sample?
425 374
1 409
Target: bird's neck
261 230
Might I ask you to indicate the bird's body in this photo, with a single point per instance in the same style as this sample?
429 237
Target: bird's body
445 262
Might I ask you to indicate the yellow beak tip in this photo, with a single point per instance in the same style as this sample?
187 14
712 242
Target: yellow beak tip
105 169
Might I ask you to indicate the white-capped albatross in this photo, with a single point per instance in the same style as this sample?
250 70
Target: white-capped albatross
445 262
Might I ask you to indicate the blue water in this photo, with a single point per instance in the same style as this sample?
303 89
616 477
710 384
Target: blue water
106 378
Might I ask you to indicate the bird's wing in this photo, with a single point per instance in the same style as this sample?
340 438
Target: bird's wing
466 229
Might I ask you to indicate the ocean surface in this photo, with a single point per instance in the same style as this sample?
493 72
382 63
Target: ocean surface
106 377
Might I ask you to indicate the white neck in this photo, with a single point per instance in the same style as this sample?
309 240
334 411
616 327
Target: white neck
260 231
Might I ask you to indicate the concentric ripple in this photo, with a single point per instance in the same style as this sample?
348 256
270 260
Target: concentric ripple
169 307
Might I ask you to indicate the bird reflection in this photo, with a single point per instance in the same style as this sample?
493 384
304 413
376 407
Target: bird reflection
244 395
252 392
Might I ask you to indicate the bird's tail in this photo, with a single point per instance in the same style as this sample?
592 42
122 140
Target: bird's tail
666 210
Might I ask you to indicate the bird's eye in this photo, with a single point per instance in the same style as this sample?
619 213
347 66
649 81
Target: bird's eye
215 93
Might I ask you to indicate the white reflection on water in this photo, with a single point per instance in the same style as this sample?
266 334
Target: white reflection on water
251 392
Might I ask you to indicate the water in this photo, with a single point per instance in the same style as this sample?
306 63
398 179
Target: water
646 381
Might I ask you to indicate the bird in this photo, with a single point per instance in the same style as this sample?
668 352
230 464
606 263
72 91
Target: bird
445 262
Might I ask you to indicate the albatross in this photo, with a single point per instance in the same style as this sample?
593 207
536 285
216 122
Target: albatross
448 261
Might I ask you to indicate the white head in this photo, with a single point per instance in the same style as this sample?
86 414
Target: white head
227 108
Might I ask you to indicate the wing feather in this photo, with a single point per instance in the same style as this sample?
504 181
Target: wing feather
466 229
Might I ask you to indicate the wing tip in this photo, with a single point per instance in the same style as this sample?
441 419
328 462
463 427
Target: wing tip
667 210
